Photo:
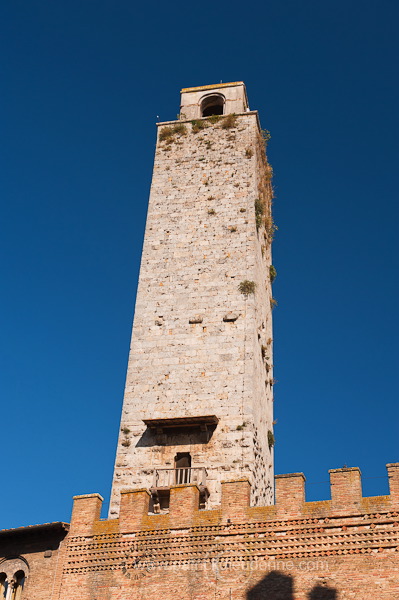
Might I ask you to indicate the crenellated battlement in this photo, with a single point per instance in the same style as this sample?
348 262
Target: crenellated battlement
346 501
327 547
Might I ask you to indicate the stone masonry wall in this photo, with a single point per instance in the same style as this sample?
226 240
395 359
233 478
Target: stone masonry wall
345 548
202 239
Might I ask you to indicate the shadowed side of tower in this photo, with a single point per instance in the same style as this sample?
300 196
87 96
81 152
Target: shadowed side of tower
198 397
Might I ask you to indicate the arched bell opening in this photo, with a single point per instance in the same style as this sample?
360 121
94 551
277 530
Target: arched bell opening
212 105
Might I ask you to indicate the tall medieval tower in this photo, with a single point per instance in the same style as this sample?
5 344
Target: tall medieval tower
198 404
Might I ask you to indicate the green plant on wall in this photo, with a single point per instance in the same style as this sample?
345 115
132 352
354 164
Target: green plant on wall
270 228
180 129
270 439
265 134
214 119
197 126
167 133
229 122
247 287
272 273
259 212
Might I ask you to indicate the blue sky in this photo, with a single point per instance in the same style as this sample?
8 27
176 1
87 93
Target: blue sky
82 85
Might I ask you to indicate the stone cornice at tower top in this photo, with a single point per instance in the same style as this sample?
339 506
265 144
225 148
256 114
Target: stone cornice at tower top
240 114
213 86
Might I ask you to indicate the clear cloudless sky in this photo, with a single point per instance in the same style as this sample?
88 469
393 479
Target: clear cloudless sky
82 84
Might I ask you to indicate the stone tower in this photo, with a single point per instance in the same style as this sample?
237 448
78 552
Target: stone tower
198 404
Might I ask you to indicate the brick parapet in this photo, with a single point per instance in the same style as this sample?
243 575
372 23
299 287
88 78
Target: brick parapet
172 550
236 497
323 546
86 511
346 502
184 505
393 476
346 488
134 508
290 493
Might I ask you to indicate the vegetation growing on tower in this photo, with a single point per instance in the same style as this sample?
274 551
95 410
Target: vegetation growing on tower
247 287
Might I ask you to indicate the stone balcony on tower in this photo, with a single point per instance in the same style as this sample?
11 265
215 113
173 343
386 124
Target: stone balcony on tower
183 472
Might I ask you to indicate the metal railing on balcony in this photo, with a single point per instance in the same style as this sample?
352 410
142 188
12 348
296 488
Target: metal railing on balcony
165 478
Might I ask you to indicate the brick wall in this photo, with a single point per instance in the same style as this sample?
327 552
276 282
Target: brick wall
293 550
39 552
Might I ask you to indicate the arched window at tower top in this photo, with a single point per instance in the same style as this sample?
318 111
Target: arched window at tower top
212 105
